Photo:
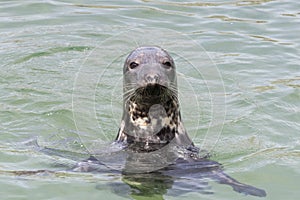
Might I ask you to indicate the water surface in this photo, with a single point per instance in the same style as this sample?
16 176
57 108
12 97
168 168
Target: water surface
52 51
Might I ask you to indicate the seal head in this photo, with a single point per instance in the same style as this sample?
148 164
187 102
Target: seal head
151 116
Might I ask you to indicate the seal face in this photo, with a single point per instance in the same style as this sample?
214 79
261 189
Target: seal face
151 115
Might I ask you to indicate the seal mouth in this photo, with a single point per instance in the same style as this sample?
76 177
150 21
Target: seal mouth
151 90
153 94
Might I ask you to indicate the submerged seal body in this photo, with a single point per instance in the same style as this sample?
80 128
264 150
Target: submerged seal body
151 115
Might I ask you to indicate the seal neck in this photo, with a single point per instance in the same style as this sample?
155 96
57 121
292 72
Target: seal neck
148 127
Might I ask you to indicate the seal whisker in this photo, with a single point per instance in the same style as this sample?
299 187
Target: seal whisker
129 93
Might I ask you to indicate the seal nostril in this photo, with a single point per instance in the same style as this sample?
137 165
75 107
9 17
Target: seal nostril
152 78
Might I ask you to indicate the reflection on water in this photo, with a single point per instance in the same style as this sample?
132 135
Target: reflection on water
205 4
226 18
49 52
291 82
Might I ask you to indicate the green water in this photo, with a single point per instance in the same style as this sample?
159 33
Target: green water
60 85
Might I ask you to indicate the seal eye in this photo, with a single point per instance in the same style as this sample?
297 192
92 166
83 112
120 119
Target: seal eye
133 65
167 64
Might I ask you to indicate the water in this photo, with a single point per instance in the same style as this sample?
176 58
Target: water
52 93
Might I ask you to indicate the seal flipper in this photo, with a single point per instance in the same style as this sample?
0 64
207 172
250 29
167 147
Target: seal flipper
223 178
204 168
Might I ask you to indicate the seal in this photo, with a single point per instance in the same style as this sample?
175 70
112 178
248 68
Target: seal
151 113
151 120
